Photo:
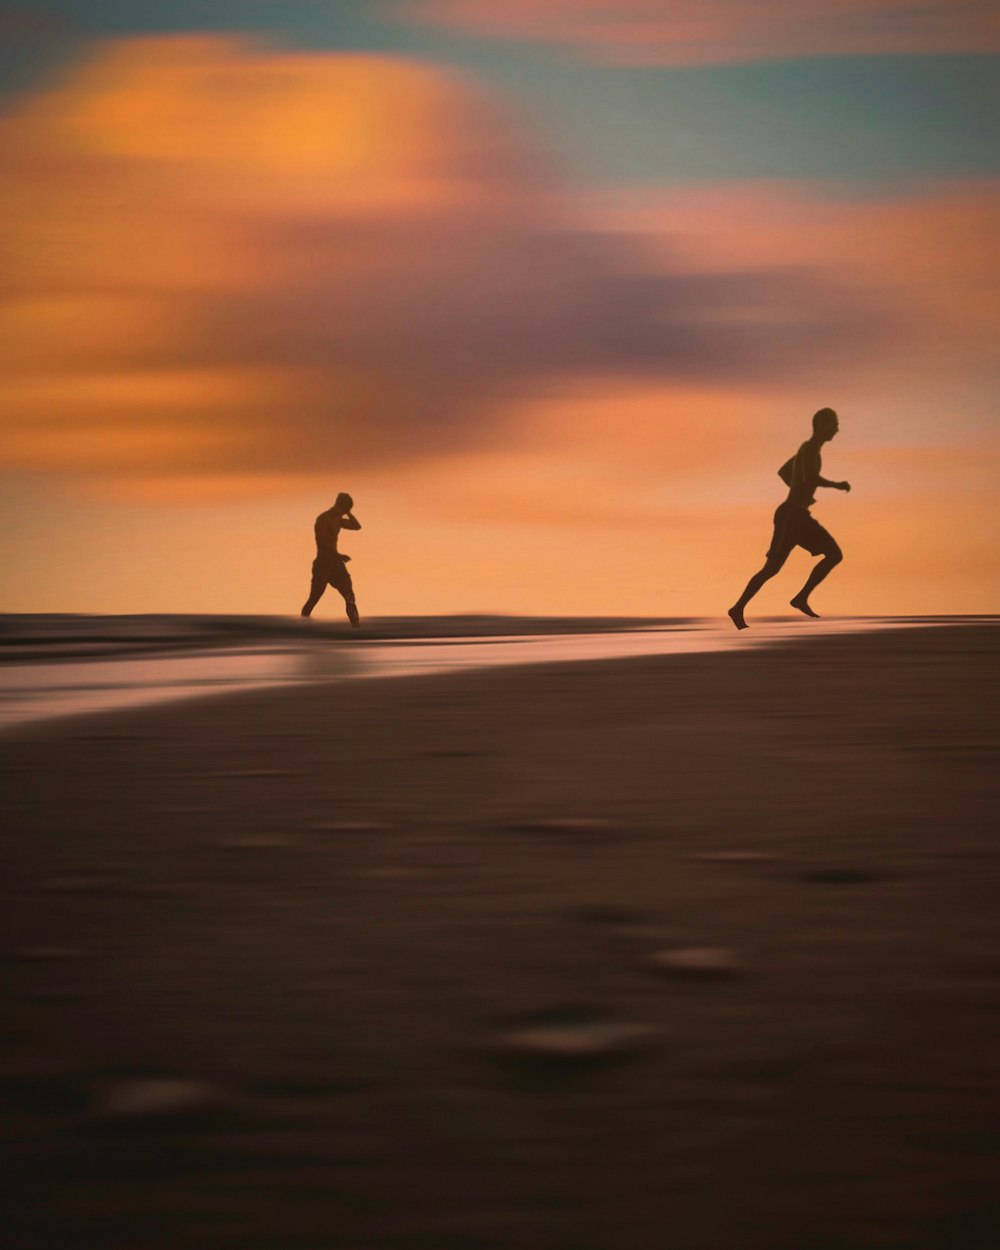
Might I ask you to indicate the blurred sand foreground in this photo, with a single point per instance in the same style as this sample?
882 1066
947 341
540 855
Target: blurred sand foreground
684 953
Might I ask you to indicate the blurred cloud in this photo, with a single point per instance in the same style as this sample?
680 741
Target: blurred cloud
19 22
226 259
696 32
927 252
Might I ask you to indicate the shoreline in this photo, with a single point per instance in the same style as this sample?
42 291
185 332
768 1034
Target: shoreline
27 638
60 682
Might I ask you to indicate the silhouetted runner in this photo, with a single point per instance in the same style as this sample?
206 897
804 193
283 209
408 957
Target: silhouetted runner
794 524
330 566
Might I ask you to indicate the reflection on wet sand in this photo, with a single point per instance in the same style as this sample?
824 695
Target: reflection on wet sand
51 686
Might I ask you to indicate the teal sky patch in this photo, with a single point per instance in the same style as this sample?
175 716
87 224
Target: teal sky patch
860 120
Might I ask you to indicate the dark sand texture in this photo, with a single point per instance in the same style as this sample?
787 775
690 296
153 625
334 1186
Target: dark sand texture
406 951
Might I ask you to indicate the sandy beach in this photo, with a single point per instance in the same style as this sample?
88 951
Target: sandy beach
671 953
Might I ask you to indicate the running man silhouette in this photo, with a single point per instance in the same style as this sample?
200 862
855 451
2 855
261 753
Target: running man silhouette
794 525
330 566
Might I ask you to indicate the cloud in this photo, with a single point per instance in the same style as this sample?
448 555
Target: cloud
21 24
222 258
925 254
696 32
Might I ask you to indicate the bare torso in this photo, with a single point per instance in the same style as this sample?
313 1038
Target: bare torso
804 476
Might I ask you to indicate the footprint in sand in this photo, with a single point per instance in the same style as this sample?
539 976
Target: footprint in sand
572 1038
698 963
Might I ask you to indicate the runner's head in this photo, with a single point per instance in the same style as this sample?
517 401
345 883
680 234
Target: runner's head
825 424
343 503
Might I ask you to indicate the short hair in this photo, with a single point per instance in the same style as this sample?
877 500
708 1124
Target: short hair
823 417
344 501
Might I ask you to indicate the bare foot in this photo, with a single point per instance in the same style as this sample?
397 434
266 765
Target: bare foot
736 616
802 605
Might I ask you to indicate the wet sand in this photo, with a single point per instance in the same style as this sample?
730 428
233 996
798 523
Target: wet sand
52 667
393 965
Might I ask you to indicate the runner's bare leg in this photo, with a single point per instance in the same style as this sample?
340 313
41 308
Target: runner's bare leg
822 570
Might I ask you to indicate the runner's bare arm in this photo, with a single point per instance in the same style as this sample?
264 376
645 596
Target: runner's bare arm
807 466
822 481
350 522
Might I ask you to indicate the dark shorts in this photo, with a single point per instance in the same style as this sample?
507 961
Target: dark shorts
332 571
796 527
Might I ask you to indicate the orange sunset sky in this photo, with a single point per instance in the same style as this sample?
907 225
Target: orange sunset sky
552 297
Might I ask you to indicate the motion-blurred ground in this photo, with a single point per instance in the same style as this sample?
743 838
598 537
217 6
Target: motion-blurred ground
661 954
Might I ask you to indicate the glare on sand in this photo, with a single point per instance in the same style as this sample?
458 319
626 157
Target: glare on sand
66 686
